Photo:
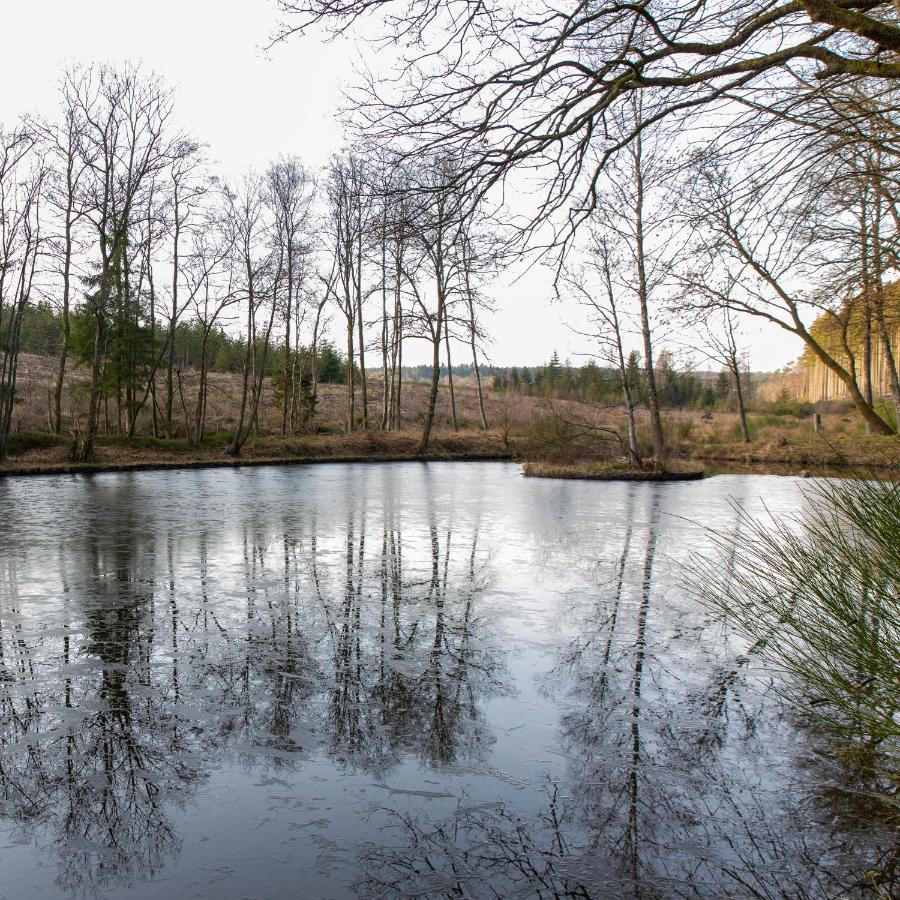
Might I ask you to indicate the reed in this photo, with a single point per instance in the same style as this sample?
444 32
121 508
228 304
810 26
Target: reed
818 594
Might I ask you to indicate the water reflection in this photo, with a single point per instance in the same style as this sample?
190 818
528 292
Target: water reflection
155 663
410 681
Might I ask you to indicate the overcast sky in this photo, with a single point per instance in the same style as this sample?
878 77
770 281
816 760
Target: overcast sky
249 105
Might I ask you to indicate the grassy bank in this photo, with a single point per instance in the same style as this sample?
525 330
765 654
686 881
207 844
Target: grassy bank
544 456
561 433
35 454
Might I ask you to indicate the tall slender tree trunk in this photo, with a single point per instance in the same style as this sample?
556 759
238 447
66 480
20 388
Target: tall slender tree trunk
478 384
314 352
890 360
288 369
86 448
397 337
659 447
473 343
450 375
66 301
152 386
170 361
234 448
866 297
200 413
634 453
436 333
256 388
385 393
9 371
351 387
739 390
363 381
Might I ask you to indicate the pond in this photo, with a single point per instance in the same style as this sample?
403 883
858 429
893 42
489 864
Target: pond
394 680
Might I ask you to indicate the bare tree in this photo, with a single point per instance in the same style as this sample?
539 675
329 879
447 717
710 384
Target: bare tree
609 321
66 168
22 172
122 117
210 276
756 254
258 279
290 194
439 213
540 87
468 266
392 218
343 219
186 187
630 208
720 344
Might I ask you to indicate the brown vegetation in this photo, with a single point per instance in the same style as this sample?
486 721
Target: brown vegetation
558 433
621 471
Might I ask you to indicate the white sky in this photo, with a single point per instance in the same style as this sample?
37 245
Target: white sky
248 106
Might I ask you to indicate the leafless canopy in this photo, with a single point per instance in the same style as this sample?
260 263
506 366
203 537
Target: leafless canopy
534 84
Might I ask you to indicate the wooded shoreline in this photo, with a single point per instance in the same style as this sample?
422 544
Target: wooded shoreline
138 456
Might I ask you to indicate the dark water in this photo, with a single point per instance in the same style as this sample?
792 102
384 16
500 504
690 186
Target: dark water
393 680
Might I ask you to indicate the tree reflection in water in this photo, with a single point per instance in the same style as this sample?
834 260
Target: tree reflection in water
101 763
659 800
151 672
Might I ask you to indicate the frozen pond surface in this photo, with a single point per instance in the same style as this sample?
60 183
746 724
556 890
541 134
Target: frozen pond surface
397 680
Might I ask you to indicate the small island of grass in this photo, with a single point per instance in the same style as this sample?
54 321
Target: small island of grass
599 471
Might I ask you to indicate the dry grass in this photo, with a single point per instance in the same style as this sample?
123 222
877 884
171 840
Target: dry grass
592 471
526 427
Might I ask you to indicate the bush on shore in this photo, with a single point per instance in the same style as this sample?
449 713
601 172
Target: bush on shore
818 596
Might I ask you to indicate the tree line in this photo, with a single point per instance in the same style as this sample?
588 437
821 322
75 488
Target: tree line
691 168
679 387
124 251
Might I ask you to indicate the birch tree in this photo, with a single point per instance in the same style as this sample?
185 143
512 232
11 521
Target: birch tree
123 117
22 173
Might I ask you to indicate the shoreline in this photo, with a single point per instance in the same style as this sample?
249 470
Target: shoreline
707 466
241 463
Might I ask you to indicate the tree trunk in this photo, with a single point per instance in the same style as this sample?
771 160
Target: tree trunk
86 449
450 376
66 299
234 448
200 413
351 390
742 412
170 362
478 385
385 393
396 343
881 323
436 358
359 321
288 370
659 448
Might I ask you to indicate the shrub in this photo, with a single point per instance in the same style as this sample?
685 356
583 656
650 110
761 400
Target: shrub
22 441
553 439
818 595
684 429
797 408
144 442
